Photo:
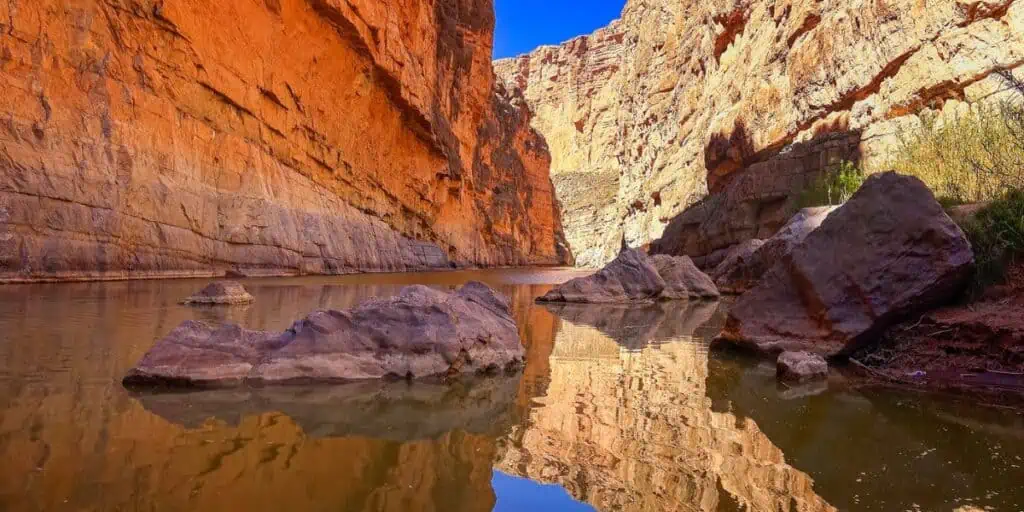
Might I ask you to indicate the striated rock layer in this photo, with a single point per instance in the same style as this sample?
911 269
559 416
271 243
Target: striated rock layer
152 138
748 100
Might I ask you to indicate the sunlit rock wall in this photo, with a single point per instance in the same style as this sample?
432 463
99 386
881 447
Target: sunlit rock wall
152 138
681 98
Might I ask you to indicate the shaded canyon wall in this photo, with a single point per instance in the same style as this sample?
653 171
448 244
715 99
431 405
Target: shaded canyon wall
166 138
745 100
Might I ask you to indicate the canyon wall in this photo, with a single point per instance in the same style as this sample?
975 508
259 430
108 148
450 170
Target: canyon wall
700 120
184 137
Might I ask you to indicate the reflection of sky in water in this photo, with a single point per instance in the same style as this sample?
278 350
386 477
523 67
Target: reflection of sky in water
517 494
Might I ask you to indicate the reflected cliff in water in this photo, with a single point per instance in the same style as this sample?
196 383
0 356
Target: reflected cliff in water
624 422
621 406
74 439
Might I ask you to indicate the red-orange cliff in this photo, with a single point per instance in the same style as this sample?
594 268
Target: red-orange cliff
185 137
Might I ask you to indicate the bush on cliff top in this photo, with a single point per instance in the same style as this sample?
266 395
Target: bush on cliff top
976 156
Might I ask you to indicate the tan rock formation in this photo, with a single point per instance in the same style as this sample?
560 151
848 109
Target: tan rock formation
287 136
750 98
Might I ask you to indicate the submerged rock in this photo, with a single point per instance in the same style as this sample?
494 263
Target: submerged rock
422 332
631 277
746 269
800 367
889 252
220 293
683 280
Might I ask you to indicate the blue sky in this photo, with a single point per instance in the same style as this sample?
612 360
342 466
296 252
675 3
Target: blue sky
526 24
516 494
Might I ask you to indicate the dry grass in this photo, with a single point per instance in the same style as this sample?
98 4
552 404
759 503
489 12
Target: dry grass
977 156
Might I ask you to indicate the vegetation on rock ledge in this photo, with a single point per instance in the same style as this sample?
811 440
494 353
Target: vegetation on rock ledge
834 187
997 236
978 155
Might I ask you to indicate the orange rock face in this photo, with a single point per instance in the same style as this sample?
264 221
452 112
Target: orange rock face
146 138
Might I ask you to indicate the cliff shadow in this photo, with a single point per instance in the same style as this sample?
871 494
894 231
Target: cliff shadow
753 193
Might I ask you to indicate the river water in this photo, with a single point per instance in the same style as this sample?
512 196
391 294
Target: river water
617 409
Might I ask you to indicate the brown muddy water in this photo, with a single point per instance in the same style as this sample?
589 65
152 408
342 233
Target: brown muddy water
617 409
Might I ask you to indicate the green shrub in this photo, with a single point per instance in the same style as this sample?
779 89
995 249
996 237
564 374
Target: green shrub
834 187
997 236
976 156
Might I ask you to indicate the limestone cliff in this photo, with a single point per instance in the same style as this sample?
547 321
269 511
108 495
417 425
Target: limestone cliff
747 100
185 137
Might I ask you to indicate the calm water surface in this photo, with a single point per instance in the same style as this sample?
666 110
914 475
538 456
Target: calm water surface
617 409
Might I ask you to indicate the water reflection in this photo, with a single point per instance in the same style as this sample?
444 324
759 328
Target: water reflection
635 326
876 449
621 408
398 411
74 439
624 422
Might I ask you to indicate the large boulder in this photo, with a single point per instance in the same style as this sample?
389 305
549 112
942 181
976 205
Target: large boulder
738 256
220 293
422 332
744 269
631 277
889 252
683 280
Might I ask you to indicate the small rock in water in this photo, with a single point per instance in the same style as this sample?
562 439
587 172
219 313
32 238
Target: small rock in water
219 293
801 367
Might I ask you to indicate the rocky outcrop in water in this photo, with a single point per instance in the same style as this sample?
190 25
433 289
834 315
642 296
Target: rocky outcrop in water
747 101
889 252
220 293
156 138
634 277
422 332
801 367
631 277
